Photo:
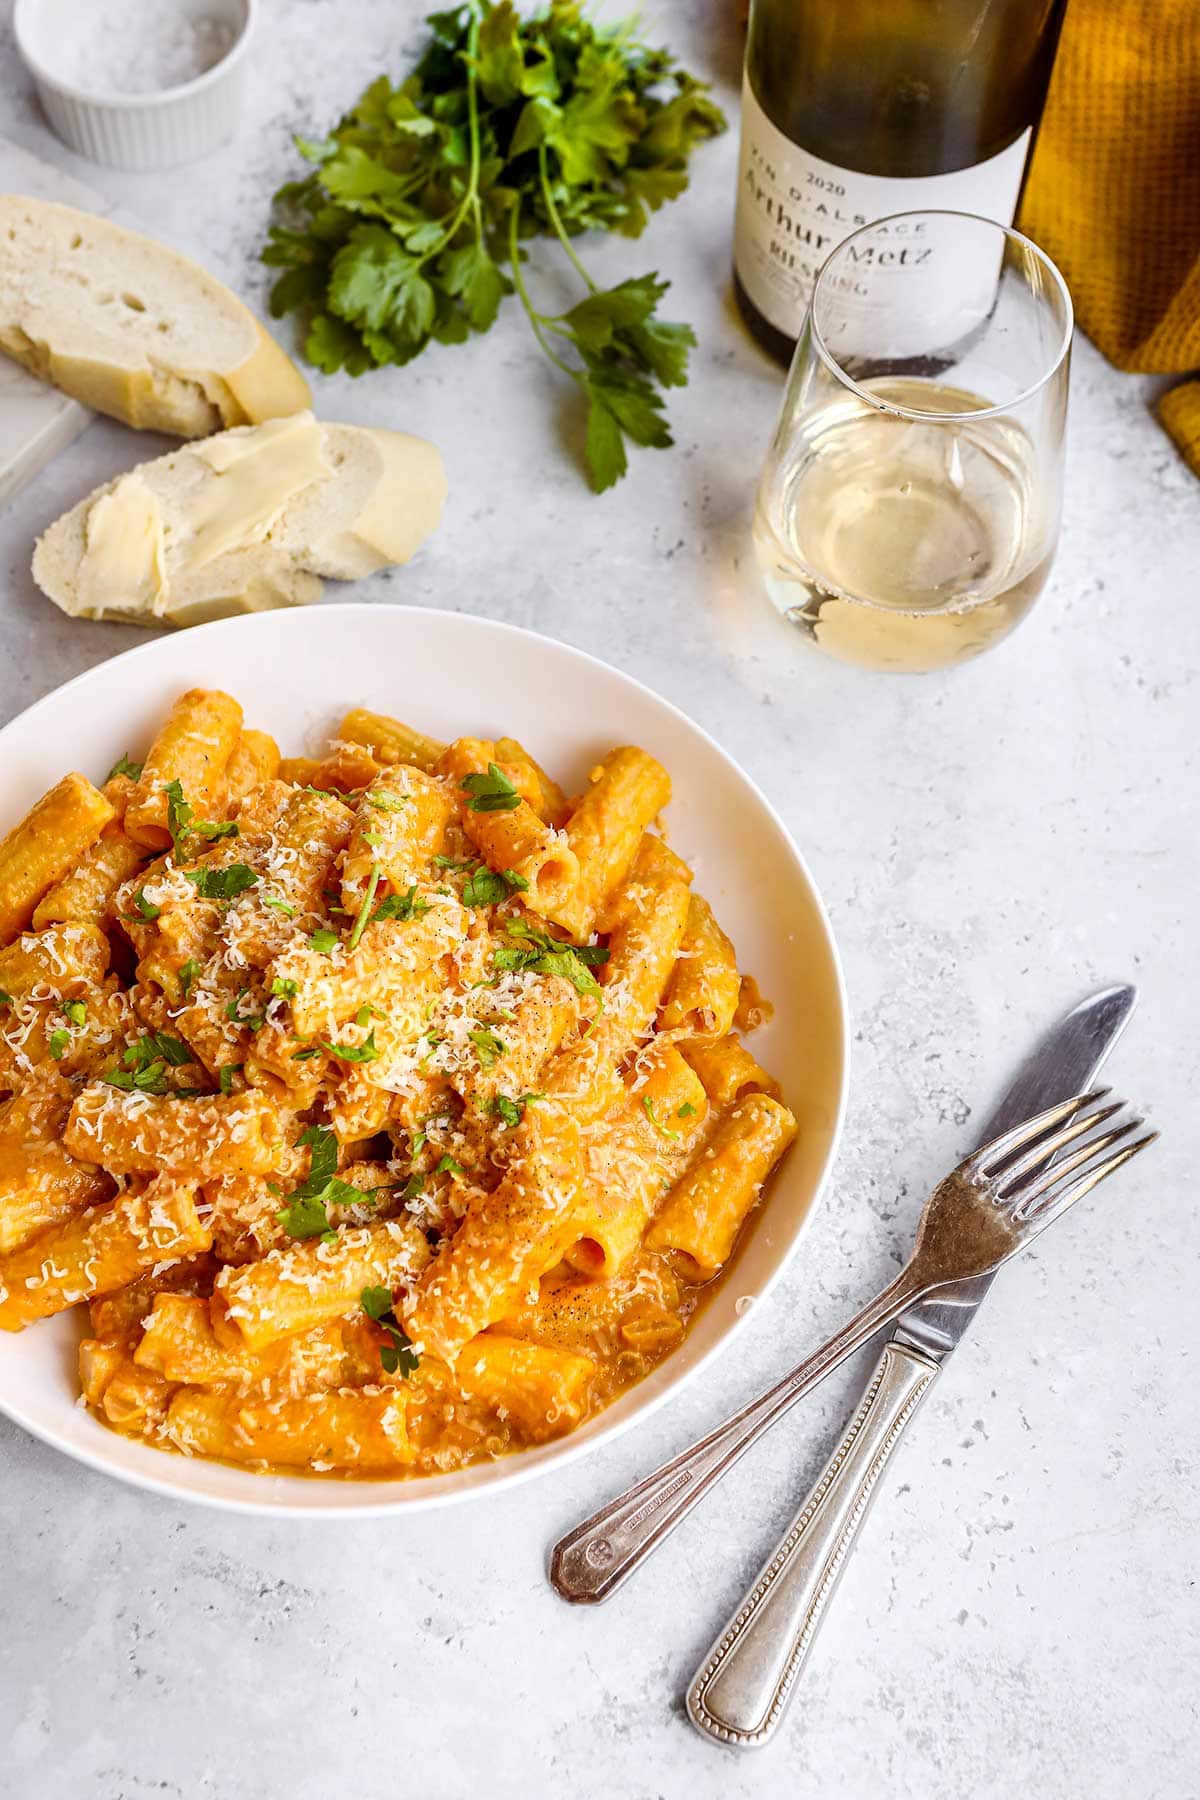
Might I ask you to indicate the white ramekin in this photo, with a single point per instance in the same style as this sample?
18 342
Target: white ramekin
136 131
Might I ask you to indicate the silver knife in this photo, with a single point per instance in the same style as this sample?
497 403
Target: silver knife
742 1687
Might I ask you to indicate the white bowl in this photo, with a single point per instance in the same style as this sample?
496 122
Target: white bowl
153 130
451 674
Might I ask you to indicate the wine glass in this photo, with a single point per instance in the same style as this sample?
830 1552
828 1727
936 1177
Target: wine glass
908 512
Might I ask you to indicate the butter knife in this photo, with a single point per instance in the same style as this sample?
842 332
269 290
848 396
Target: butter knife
741 1690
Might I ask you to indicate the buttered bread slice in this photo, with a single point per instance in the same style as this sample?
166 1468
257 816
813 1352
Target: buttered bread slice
247 520
132 328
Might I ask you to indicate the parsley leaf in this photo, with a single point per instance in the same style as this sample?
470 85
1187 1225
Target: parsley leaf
58 1043
144 1064
187 976
146 909
686 1111
398 1355
488 1047
450 862
283 987
304 1216
401 906
490 887
355 1053
509 1111
492 792
5 999
221 884
538 952
288 911
125 767
75 1011
323 940
183 823
448 1166
225 1075
388 803
249 1021
323 1145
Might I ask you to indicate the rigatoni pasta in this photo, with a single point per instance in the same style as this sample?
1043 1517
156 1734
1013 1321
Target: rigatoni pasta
383 1105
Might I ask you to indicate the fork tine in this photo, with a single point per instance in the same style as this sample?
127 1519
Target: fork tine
1056 1203
1043 1151
1024 1196
1008 1141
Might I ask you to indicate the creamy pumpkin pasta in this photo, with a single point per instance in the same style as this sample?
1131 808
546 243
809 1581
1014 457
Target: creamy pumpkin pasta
388 1110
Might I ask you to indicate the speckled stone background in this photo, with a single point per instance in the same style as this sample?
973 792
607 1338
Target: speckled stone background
1021 1616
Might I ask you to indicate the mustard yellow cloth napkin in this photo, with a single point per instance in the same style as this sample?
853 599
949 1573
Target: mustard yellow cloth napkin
1114 189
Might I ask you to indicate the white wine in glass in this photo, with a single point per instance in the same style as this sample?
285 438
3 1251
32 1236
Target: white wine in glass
907 519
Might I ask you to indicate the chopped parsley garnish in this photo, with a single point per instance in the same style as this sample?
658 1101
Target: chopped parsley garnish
75 1011
305 1216
373 838
488 1047
125 767
448 1166
412 1187
221 884
538 952
355 1053
509 1111
397 1356
324 941
187 976
283 987
364 911
456 863
182 821
250 1021
308 1050
283 906
388 802
492 792
648 1109
146 909
58 1043
225 1075
5 999
490 887
401 906
144 1065
179 812
686 1111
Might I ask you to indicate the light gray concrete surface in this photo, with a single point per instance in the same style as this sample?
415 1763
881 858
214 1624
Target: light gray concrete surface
1021 1616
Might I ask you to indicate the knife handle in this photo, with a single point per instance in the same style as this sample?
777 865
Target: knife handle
741 1689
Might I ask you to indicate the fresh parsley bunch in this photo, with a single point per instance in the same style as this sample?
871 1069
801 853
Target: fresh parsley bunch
410 225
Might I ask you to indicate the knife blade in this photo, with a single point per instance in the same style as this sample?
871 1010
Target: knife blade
1065 1062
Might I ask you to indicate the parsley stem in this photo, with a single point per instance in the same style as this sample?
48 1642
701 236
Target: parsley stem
535 318
360 923
471 198
555 220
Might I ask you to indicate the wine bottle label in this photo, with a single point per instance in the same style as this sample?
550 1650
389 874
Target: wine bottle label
793 209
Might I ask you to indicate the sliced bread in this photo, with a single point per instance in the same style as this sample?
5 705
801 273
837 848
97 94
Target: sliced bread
246 520
132 328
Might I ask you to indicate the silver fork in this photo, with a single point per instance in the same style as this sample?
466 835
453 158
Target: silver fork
993 1205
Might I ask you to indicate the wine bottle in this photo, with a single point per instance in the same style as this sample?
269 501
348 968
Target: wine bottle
856 109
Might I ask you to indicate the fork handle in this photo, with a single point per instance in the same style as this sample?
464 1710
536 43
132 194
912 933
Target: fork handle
591 1562
741 1690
